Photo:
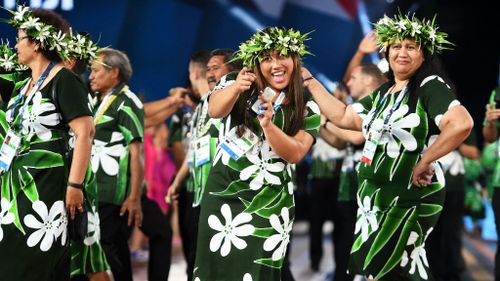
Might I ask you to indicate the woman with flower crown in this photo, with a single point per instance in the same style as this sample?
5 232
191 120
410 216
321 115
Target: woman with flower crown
408 123
247 210
40 192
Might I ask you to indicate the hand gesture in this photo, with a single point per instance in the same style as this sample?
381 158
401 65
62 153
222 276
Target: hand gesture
422 174
173 193
492 114
266 117
133 207
244 80
74 200
368 44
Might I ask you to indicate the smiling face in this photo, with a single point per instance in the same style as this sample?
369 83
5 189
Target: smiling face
405 57
277 70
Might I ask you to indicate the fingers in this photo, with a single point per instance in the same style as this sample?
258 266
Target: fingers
131 216
138 219
72 212
123 209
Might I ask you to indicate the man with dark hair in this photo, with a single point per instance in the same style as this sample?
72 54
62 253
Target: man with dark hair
201 142
116 157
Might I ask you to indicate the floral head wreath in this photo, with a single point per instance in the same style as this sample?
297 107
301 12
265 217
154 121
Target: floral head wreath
48 37
8 59
82 47
424 32
284 41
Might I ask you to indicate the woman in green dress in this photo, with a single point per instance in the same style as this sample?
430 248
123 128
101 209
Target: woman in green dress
38 186
247 210
408 123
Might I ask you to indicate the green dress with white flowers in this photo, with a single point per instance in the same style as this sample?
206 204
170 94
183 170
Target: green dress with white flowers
248 209
34 244
394 216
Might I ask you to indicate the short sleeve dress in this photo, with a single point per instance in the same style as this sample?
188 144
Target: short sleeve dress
33 222
247 209
394 216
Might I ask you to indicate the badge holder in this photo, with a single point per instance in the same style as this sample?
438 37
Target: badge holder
235 145
9 149
202 150
370 146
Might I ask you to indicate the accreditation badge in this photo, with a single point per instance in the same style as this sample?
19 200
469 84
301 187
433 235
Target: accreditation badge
9 150
238 141
371 146
202 150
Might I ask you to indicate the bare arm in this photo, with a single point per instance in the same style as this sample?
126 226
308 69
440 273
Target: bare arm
336 111
490 131
366 46
83 128
175 187
332 139
469 151
133 202
455 126
354 137
153 120
222 101
154 107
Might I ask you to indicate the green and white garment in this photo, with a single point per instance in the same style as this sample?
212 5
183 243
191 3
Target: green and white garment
247 210
394 216
122 123
34 244
495 178
325 159
87 256
348 181
200 127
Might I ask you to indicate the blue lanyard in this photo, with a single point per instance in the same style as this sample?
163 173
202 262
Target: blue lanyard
30 96
279 101
393 108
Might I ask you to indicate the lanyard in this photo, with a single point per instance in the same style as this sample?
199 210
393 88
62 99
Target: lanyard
108 100
393 108
279 101
30 96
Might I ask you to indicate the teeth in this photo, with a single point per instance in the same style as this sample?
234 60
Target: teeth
278 73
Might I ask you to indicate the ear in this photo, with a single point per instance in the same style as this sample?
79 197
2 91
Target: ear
115 73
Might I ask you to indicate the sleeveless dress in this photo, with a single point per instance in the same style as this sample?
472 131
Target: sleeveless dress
394 216
247 209
34 244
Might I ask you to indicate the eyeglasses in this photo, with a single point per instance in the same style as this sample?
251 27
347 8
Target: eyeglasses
21 38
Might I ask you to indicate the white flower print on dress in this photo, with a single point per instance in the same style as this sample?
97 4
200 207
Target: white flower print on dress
6 217
230 232
62 228
247 277
220 153
36 119
418 256
262 167
47 228
398 127
367 218
282 237
105 156
94 229
291 184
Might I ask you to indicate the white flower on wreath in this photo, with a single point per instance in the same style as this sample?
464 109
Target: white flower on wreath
36 120
59 42
415 28
43 33
7 62
398 127
6 217
21 11
105 156
367 218
401 25
418 256
262 167
229 233
282 237
94 229
48 228
30 23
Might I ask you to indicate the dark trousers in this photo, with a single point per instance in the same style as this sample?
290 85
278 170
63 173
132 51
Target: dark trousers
114 238
156 226
444 244
344 222
496 210
188 226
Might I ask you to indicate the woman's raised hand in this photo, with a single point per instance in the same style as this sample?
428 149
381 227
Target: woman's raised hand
244 80
266 117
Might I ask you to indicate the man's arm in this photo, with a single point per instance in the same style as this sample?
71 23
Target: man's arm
133 202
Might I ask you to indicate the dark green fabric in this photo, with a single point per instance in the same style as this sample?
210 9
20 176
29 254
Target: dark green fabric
34 245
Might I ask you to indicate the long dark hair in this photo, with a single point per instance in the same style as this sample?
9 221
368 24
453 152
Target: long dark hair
431 65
